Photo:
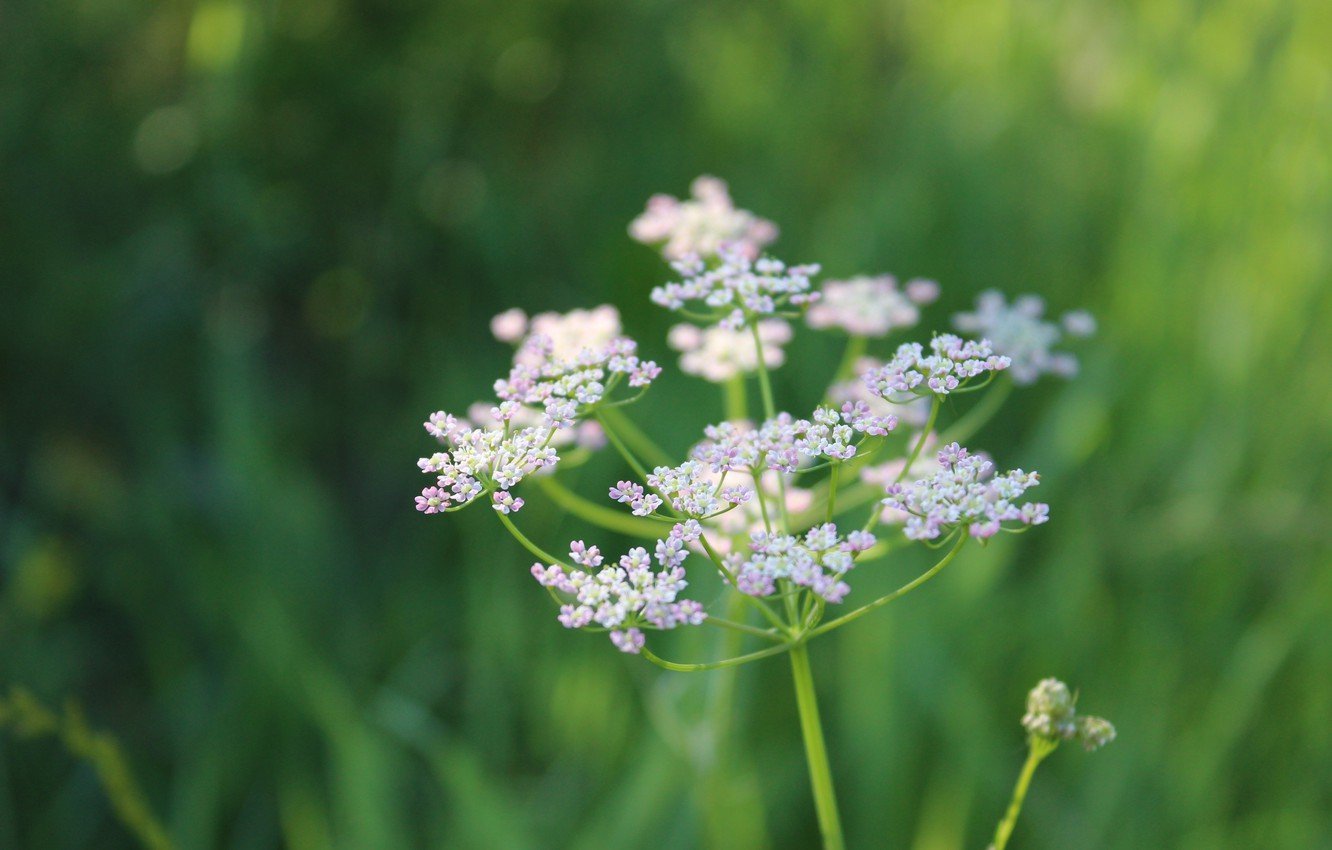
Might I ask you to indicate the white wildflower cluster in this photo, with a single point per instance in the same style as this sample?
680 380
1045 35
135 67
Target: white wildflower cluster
965 491
1019 332
737 287
871 306
718 354
567 387
952 362
784 443
480 460
913 412
819 560
695 491
629 596
1052 715
703 225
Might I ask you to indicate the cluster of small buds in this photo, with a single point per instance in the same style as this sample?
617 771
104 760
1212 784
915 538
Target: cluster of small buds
481 459
783 443
718 354
630 595
1019 332
1052 715
640 501
738 286
913 412
871 306
566 334
965 491
567 387
586 434
702 225
819 561
695 491
748 518
952 361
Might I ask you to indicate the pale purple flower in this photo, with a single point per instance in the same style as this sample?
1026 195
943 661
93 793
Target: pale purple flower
1020 332
737 288
819 560
784 443
432 500
629 595
693 490
870 306
965 492
480 460
702 225
566 388
506 503
641 502
952 362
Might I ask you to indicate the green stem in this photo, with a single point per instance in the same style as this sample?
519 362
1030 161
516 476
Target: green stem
833 478
633 434
980 414
765 382
816 750
589 511
737 403
541 554
716 665
900 592
1038 749
615 440
743 627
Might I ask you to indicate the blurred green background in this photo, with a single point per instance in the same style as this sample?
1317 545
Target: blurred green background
245 247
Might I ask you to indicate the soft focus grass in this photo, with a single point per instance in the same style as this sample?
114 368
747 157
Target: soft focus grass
245 247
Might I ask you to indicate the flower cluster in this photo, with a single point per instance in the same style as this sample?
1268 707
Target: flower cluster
783 443
913 412
1052 715
628 596
1019 332
694 490
819 560
718 354
737 287
871 306
567 334
566 387
965 491
703 225
951 362
480 460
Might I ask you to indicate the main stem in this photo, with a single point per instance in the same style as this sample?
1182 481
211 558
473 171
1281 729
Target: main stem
816 751
1039 749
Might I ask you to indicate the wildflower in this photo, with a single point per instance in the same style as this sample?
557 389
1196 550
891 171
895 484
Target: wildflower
702 225
692 491
1051 715
819 560
718 354
870 306
480 460
1019 332
783 443
629 596
964 491
951 363
738 287
641 502
567 388
914 412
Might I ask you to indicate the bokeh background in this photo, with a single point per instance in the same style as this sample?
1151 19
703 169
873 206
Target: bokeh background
245 247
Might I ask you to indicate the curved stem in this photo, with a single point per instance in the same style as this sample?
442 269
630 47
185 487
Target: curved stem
900 592
589 511
618 443
980 414
743 627
816 750
542 554
1038 749
633 434
716 665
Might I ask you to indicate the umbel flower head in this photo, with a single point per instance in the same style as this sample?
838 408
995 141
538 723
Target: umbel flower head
1052 715
481 460
567 387
703 225
1019 332
785 443
718 354
965 492
629 596
817 560
871 306
737 287
950 365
